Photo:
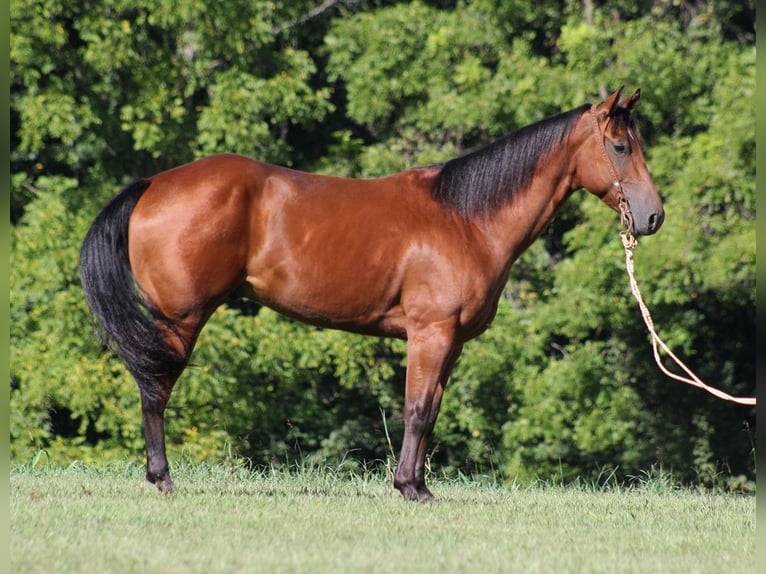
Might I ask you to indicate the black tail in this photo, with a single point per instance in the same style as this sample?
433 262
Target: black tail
128 323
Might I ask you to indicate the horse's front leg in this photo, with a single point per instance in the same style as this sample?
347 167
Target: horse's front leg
431 354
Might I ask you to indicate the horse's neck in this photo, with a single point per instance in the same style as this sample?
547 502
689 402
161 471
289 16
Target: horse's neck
518 223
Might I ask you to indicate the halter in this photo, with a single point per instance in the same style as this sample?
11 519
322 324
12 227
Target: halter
626 216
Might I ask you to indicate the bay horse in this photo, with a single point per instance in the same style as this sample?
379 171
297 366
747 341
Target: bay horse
421 255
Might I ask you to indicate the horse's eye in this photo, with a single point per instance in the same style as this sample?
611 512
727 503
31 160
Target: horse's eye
620 147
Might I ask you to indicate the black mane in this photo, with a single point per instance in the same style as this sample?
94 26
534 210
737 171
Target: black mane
480 181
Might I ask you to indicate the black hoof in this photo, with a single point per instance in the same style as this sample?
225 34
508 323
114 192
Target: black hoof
164 484
415 493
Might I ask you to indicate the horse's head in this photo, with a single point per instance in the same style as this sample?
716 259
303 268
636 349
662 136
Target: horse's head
611 163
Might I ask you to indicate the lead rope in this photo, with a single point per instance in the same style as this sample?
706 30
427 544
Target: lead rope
629 242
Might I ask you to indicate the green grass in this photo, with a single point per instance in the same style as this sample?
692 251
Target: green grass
84 519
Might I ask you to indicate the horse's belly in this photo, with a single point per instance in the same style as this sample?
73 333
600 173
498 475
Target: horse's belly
348 301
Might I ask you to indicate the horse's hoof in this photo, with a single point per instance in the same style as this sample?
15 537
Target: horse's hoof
165 486
415 493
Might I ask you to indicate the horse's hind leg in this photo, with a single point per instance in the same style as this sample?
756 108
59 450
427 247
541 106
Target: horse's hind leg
155 393
157 470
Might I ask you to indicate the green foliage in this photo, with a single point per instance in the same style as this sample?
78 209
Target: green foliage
246 111
66 394
282 401
560 428
562 385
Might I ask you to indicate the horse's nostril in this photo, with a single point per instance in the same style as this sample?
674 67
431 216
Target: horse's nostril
655 221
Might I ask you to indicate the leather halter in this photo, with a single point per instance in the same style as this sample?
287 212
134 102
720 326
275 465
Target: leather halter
626 217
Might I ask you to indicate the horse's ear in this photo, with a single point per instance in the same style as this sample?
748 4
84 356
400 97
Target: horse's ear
630 102
608 105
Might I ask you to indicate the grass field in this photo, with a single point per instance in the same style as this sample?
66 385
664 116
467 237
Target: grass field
221 520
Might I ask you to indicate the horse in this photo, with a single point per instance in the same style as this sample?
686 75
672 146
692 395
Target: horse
421 255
